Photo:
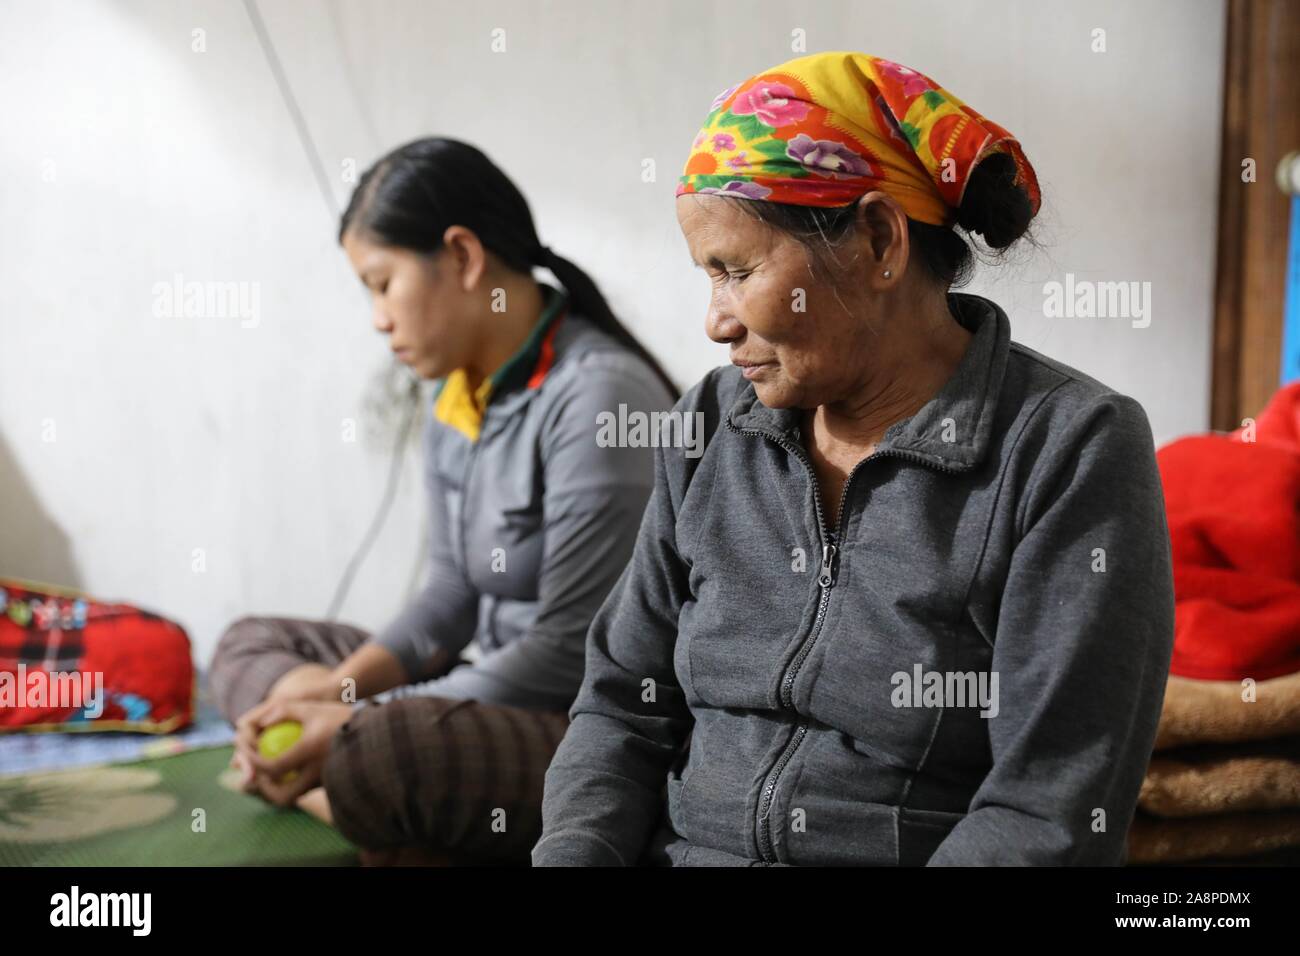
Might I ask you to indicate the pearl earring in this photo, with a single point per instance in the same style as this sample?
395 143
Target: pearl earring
888 273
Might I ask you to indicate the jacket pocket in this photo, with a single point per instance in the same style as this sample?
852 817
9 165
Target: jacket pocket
677 783
894 677
921 831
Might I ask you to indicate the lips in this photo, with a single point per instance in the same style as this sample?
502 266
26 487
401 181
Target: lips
752 370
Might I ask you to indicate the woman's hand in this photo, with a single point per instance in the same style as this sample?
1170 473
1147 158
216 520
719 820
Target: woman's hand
369 670
306 682
320 721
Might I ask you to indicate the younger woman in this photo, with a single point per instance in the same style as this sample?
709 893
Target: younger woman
532 520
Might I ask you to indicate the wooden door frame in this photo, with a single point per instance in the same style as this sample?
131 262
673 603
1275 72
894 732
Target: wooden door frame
1260 122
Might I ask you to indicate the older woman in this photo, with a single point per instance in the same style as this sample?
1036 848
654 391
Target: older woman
914 602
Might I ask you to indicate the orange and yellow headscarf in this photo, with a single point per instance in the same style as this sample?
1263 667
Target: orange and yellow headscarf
824 129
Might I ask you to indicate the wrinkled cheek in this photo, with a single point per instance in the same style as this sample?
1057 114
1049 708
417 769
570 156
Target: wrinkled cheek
797 382
791 369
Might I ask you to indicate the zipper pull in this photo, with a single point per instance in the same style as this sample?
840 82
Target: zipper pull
827 576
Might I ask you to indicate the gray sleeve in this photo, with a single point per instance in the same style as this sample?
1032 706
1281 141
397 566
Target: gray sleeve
604 787
444 614
1081 654
593 499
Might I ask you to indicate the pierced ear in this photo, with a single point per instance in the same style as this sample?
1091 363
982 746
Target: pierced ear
884 225
873 222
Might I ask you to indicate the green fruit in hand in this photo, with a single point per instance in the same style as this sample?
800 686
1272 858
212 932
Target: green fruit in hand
278 738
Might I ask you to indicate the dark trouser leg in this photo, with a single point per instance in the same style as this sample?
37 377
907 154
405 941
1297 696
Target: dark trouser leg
459 778
255 652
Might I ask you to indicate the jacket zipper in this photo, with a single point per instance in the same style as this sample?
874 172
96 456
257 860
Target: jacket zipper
825 581
471 458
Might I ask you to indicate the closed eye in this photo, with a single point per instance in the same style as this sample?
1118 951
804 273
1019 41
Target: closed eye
716 268
379 288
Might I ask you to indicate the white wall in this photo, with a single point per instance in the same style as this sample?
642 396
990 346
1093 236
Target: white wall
128 158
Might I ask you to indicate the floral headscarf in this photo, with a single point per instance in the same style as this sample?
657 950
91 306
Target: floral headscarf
824 129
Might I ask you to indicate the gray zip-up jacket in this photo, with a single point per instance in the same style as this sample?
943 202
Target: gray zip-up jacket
969 669
532 523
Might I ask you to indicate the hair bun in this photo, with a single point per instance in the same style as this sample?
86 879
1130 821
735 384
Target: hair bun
993 206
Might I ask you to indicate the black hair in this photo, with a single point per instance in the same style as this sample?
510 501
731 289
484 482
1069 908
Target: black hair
993 207
411 196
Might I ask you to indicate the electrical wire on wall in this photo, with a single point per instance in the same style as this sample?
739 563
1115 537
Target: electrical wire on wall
410 398
381 513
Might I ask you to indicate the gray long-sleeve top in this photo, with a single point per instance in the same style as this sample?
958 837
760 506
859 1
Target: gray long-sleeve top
531 523
967 669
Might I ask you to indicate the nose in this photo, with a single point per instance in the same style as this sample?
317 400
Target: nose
379 318
721 324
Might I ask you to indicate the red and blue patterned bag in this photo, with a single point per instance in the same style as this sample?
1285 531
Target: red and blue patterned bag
71 663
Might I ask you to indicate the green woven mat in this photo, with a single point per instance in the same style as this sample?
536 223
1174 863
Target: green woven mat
145 814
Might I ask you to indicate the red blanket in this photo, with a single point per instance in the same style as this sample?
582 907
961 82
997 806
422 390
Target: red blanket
1233 503
71 662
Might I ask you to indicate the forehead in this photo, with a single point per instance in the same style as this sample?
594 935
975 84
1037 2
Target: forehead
367 253
713 224
359 245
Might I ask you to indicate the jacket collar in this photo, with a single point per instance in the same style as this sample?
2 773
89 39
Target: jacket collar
569 336
969 398
463 408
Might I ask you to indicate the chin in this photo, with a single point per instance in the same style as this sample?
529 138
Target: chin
772 395
429 371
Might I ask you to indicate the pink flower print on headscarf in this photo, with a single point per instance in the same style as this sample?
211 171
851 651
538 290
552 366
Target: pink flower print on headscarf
738 161
723 141
913 83
827 157
773 103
